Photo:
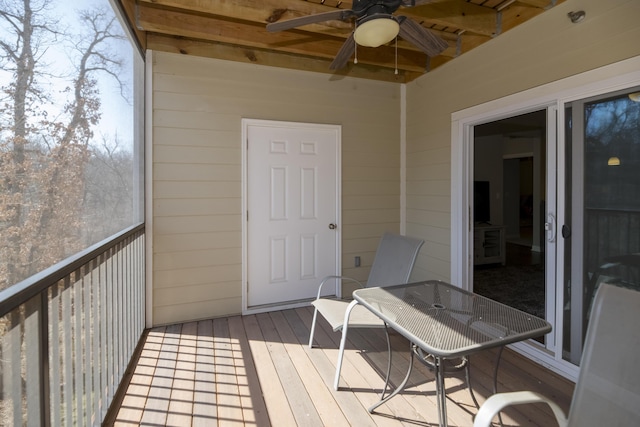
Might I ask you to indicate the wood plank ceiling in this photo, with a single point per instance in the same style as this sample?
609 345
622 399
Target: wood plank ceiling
235 30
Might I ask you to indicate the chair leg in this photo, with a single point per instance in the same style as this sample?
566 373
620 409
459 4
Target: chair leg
343 341
313 327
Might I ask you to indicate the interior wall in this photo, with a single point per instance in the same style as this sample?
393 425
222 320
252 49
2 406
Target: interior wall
488 167
542 50
511 197
198 105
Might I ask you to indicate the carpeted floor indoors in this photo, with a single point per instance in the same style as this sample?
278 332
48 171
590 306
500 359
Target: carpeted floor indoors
520 286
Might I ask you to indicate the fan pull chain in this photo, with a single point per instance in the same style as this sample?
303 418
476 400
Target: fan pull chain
355 52
396 72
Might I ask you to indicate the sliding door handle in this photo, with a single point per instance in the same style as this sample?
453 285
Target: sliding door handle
550 227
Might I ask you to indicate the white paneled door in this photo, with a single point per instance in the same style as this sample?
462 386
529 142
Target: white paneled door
292 201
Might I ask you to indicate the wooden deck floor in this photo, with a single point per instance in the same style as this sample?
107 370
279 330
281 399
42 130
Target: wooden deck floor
258 371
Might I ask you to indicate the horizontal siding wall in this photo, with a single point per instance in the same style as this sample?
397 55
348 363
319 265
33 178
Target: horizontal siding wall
546 49
198 105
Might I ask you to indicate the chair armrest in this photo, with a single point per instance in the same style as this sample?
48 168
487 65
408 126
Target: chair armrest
336 277
499 401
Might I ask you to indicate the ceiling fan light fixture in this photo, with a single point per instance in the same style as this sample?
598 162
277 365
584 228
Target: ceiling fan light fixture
376 31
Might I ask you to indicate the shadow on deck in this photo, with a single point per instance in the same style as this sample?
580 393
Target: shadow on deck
258 371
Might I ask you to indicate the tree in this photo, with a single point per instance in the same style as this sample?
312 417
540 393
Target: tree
45 143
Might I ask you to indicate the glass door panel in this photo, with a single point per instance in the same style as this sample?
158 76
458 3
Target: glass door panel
602 213
511 205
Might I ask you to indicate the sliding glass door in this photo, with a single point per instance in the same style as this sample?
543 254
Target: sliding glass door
525 255
557 177
601 224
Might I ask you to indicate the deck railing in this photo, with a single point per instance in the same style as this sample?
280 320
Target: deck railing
68 334
611 233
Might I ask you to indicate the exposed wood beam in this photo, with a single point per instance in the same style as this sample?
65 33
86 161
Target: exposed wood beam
542 4
270 58
456 14
236 30
251 10
128 7
156 20
481 20
518 13
261 12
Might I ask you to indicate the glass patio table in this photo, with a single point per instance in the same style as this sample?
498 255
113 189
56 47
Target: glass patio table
446 322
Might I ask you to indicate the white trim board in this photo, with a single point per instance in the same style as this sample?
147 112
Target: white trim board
610 78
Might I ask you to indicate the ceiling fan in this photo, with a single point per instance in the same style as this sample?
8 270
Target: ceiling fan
375 25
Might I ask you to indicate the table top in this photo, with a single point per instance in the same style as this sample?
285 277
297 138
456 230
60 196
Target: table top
447 321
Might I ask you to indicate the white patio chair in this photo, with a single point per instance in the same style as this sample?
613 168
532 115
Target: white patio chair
392 265
608 389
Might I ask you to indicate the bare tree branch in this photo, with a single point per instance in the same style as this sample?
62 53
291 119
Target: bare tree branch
43 160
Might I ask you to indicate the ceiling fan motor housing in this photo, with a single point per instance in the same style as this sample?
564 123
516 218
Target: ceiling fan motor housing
376 25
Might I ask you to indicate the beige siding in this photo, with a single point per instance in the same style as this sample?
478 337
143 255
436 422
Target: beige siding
543 50
198 105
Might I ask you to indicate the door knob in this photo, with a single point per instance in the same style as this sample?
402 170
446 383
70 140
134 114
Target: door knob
332 226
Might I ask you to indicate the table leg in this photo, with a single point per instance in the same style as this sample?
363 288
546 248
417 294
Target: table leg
386 381
495 378
495 370
440 392
402 384
467 370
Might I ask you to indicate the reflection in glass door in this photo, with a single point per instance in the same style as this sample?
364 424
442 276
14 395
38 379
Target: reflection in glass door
602 212
587 199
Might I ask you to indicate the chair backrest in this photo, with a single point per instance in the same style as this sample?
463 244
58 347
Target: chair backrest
608 389
394 260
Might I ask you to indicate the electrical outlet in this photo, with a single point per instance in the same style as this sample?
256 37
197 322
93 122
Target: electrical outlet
357 261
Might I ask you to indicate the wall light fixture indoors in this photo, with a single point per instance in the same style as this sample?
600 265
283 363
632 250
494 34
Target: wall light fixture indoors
635 96
613 161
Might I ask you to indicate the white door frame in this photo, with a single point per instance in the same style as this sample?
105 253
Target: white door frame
610 78
246 123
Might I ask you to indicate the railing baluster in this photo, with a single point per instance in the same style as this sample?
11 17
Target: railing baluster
31 358
111 330
119 311
15 369
104 331
54 355
67 355
78 381
87 347
67 336
95 332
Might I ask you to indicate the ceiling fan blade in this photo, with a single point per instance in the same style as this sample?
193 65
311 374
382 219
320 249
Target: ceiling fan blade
343 55
419 36
340 14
